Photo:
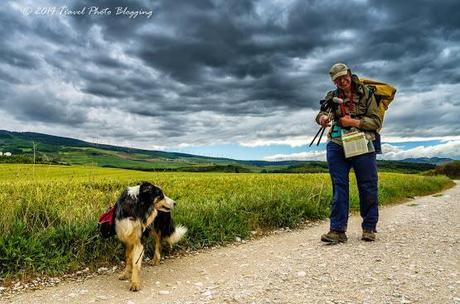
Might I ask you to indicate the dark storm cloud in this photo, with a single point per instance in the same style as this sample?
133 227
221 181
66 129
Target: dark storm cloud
411 36
45 108
231 58
104 90
18 59
9 79
107 62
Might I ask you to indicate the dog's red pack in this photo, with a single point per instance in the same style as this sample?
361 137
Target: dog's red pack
106 223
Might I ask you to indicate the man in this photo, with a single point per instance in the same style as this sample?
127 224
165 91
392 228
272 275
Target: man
356 110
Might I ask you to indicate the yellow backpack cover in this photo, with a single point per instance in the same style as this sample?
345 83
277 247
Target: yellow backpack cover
384 93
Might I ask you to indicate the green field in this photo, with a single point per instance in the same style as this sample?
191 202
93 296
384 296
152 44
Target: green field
48 213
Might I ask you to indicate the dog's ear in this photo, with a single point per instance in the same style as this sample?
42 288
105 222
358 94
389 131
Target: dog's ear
145 186
148 191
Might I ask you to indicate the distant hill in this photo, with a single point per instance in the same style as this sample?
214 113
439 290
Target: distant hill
63 150
16 141
428 160
70 151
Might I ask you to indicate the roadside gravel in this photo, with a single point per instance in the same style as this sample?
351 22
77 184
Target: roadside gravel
416 259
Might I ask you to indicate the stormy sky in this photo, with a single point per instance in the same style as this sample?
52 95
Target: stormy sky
239 79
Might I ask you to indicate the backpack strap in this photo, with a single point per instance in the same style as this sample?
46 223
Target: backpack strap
369 91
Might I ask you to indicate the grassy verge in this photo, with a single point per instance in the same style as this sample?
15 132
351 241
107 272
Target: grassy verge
48 214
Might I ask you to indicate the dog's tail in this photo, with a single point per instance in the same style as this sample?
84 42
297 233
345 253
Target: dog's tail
177 235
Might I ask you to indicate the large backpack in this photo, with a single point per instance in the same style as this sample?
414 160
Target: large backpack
383 92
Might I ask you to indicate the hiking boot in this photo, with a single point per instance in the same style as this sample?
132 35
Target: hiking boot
368 236
334 237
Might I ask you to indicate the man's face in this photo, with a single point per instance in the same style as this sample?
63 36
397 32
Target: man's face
343 82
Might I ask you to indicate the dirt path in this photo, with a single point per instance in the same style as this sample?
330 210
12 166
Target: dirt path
416 259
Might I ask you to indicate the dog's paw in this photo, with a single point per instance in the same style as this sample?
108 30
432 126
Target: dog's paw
123 276
156 261
135 286
153 262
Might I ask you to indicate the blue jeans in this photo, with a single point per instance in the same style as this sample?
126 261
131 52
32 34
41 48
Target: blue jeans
365 167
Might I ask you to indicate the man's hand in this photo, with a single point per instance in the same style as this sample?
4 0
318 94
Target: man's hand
324 121
347 121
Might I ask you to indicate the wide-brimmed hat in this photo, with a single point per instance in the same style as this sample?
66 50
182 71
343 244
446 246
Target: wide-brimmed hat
337 70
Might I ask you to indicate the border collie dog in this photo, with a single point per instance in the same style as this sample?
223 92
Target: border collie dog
136 210
163 228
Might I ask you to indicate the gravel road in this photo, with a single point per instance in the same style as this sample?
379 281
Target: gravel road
416 259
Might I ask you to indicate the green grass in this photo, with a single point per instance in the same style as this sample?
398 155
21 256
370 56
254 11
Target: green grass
48 214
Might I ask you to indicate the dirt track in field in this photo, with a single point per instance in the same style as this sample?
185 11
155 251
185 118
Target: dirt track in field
416 259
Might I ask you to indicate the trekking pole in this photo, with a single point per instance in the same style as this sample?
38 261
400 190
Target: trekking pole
317 133
322 129
319 139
